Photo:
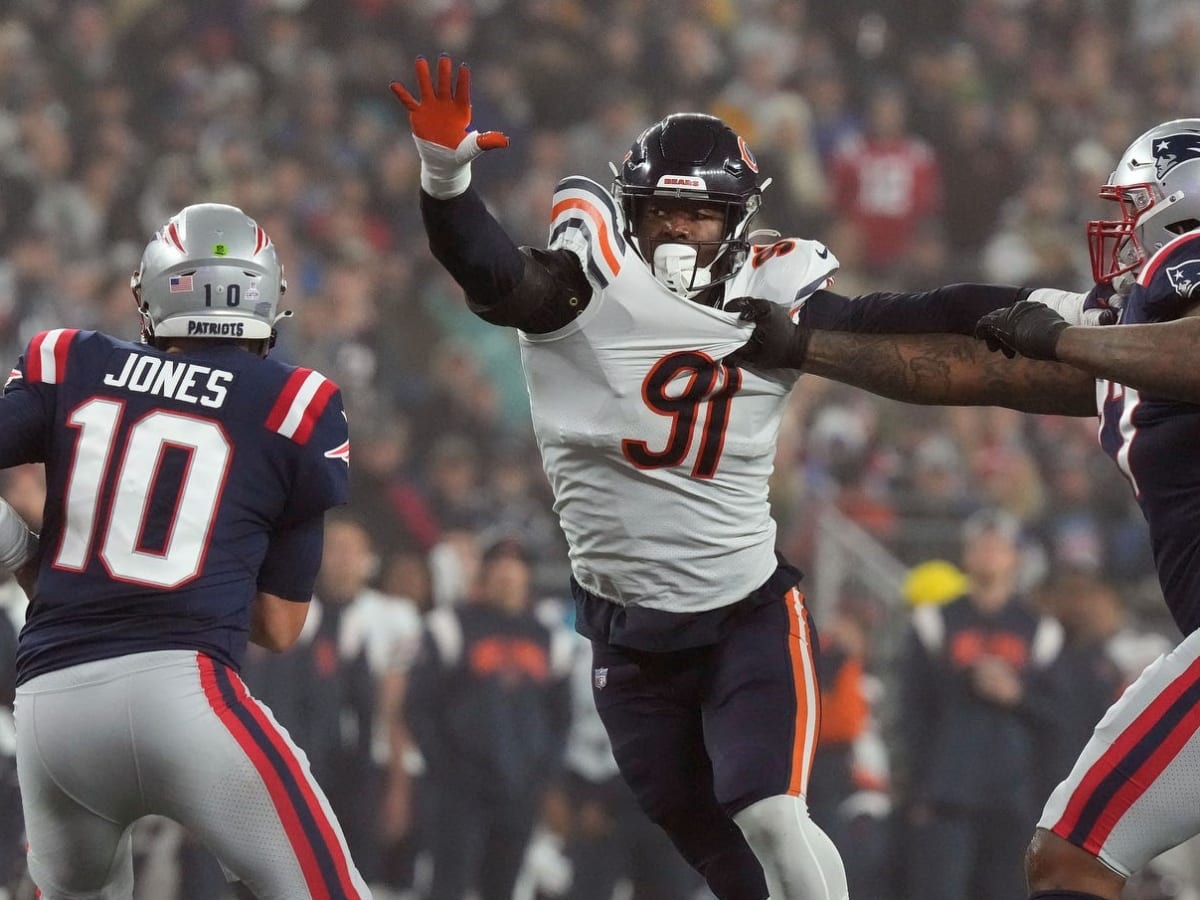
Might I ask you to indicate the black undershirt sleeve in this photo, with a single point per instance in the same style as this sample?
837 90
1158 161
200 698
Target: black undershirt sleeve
953 309
537 291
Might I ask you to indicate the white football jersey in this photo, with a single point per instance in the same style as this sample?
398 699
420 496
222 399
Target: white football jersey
658 454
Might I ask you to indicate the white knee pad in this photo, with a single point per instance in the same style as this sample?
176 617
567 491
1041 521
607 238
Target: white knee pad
798 858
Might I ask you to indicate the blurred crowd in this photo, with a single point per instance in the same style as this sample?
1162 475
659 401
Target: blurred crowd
438 684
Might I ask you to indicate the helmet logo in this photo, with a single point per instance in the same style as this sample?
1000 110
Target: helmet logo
1185 277
220 250
1173 149
747 155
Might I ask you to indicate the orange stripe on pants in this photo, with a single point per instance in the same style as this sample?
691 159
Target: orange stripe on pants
808 699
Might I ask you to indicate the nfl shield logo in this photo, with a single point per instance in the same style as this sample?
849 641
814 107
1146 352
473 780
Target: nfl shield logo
600 678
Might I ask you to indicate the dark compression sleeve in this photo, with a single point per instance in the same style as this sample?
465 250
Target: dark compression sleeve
289 570
953 309
535 290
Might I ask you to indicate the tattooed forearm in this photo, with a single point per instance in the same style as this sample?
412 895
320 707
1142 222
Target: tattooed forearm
1156 359
949 370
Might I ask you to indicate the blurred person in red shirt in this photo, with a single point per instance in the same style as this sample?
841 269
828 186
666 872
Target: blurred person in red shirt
886 182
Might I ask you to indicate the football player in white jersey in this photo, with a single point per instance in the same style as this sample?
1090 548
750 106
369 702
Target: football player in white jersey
659 454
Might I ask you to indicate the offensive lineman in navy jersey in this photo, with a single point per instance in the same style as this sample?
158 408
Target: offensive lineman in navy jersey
659 455
1132 793
187 481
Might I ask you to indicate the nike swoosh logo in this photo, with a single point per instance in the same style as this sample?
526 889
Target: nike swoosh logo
823 252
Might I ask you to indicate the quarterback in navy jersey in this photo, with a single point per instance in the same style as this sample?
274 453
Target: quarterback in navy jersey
187 480
659 450
1132 793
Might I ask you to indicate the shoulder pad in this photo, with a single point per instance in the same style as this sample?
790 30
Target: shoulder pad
47 356
300 403
585 220
789 270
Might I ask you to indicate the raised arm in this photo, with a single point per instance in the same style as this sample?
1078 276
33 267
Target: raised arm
533 290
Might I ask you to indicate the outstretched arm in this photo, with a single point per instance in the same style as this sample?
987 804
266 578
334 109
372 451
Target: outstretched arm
535 291
951 309
950 370
1153 358
1147 358
944 369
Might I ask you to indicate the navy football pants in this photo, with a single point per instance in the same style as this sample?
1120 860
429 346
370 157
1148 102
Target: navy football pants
702 733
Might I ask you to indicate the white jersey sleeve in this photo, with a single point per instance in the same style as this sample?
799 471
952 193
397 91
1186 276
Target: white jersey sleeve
585 220
786 272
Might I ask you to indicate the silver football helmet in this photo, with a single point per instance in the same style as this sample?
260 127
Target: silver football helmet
210 272
1157 185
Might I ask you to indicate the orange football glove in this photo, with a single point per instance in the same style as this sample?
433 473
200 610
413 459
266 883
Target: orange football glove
439 121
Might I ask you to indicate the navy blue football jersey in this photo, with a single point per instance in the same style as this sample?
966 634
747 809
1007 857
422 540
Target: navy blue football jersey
1151 438
170 478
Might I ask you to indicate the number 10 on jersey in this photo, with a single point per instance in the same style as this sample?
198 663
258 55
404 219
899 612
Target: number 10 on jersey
98 422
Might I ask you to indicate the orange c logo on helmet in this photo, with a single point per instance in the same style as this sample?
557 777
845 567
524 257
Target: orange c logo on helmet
747 155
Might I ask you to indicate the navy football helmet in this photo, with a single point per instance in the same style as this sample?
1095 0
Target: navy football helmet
1157 186
695 158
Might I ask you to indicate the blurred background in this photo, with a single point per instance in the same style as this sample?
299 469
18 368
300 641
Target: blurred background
924 142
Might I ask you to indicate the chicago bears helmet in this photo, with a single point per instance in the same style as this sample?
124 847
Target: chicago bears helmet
1157 187
209 272
696 158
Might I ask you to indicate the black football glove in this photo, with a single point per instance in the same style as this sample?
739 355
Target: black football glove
777 341
1028 328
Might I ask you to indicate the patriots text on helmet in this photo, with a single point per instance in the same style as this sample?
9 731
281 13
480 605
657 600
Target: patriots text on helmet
204 328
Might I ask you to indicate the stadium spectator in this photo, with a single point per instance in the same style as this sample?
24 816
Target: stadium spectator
976 704
888 182
489 705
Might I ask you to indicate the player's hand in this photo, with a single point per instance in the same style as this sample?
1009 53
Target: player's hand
440 118
777 341
1028 328
1102 306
